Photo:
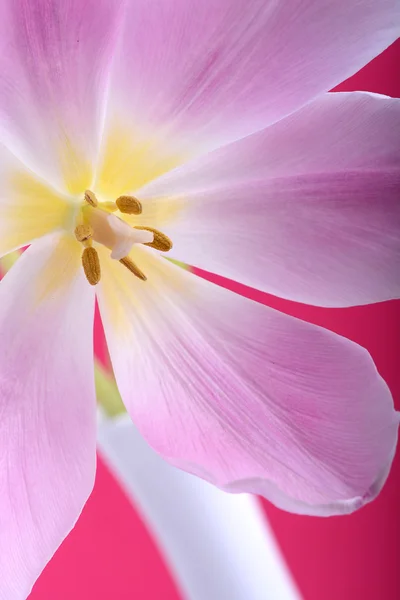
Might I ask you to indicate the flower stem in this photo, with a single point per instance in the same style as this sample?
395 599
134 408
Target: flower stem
107 392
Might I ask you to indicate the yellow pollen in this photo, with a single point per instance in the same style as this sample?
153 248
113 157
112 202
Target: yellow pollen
130 265
161 241
129 205
83 232
91 198
91 265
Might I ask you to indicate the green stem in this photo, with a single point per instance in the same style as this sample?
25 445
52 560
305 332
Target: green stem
107 392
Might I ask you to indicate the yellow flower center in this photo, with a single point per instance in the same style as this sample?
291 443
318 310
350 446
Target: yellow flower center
95 222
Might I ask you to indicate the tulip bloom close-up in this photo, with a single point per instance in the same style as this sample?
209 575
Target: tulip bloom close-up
136 131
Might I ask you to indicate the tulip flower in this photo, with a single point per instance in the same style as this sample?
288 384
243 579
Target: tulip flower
200 130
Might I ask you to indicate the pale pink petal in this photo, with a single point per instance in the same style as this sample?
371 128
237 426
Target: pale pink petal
195 74
54 65
244 396
47 408
308 209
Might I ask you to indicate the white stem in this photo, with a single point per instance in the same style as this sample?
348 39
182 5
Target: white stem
218 546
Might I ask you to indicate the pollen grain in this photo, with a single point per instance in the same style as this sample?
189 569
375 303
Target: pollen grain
133 268
91 265
161 241
129 205
91 199
83 232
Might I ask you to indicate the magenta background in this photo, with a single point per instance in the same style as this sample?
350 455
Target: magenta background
110 555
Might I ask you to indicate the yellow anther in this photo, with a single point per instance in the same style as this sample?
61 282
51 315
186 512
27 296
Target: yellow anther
83 232
91 265
161 241
129 205
91 198
130 265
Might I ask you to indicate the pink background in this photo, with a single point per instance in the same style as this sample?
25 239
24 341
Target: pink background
111 555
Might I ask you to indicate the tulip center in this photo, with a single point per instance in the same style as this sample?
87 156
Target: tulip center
96 223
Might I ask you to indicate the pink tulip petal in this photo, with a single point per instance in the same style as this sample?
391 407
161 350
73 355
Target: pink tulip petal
308 209
198 74
47 408
54 65
244 396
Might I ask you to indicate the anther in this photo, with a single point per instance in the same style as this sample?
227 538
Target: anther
130 265
129 205
161 241
91 198
83 232
91 265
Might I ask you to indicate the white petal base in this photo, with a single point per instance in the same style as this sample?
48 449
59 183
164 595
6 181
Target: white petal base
217 545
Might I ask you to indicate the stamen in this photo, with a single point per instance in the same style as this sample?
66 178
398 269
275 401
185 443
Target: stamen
161 241
83 232
130 265
129 205
91 265
91 198
112 232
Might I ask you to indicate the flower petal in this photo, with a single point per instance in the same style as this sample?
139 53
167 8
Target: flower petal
246 397
47 408
54 65
194 75
29 207
308 209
